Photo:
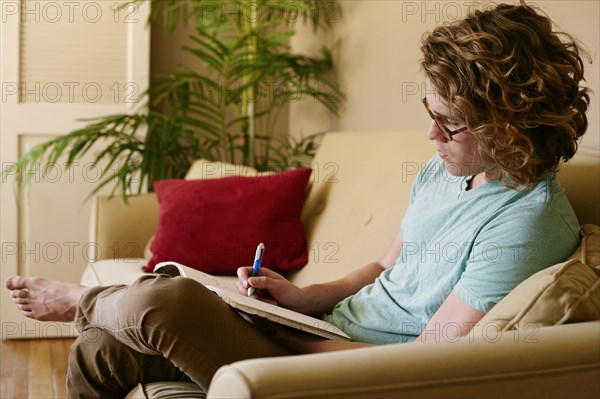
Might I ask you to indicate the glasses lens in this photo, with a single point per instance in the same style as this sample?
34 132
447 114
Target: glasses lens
439 124
444 129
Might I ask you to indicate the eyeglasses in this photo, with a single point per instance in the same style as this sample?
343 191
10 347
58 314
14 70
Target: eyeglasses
447 132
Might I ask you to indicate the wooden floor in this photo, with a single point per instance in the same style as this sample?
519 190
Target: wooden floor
35 368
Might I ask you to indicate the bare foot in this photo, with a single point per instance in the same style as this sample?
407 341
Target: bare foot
45 300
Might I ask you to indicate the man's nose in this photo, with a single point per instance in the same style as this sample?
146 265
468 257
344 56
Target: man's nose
435 133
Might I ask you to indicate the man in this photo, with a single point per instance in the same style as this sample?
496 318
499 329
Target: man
506 107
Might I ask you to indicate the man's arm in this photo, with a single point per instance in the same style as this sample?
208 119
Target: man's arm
455 318
317 299
325 296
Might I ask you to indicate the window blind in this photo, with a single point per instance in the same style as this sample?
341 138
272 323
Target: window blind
74 51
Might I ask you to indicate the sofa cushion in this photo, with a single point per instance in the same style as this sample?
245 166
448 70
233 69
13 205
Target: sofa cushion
121 271
205 169
589 249
113 271
215 225
563 293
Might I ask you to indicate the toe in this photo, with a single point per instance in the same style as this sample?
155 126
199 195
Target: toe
19 293
24 307
9 283
15 283
20 301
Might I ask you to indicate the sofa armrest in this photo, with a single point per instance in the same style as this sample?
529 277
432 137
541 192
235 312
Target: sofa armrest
550 362
121 229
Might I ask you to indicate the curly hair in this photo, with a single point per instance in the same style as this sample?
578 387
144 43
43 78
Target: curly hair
514 82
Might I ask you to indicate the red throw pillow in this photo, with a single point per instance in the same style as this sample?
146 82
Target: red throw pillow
215 225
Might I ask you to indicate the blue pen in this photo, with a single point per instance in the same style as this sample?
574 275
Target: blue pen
258 256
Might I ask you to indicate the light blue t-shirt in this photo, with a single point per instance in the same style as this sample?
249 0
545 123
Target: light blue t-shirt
481 243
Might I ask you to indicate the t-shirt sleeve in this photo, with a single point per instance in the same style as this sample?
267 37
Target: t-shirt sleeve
508 250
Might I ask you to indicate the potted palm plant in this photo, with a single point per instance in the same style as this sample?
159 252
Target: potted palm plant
225 112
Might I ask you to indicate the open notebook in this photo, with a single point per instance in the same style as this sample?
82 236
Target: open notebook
228 292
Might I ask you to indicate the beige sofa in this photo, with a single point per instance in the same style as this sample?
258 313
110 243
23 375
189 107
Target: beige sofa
543 341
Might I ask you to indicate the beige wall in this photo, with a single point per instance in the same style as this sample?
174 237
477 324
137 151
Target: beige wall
376 50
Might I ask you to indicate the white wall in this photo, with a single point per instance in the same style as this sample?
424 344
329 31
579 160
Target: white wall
376 51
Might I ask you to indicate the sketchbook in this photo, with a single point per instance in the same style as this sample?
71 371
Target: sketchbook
228 292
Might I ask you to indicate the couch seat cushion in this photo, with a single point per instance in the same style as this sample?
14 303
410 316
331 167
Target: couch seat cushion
113 271
118 271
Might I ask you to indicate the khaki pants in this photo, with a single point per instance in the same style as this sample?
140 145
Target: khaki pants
158 329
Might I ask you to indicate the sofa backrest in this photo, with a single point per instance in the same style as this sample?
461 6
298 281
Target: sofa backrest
360 191
581 179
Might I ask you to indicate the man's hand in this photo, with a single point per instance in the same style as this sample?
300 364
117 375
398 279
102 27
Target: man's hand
273 288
